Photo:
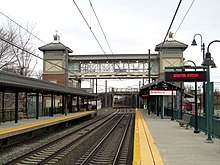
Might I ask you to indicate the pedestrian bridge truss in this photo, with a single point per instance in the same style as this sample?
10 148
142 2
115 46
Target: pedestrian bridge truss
114 66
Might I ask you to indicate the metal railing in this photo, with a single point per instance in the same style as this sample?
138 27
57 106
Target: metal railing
202 123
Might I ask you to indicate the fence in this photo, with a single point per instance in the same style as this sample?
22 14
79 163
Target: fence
202 123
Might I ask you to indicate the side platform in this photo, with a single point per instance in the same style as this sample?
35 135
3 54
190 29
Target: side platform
145 150
11 130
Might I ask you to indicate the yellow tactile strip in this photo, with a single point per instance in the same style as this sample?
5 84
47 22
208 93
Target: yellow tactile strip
145 150
4 133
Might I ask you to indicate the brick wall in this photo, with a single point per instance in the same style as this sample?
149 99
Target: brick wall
58 78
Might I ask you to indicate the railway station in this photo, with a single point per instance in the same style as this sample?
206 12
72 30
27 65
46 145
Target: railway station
148 127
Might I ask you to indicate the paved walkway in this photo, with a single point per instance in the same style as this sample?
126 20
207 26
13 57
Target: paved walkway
180 146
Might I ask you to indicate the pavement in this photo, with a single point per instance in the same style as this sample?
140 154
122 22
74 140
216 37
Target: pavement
180 146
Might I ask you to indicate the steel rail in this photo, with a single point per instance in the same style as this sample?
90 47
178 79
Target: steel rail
101 142
121 142
98 147
57 141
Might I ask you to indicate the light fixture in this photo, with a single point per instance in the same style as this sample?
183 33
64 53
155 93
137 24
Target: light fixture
186 64
208 61
194 42
165 86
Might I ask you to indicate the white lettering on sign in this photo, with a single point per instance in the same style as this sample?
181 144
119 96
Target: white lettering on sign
162 92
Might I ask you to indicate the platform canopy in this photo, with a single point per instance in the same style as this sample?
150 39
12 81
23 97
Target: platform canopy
11 81
161 84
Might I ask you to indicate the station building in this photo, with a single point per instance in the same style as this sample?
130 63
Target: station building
161 97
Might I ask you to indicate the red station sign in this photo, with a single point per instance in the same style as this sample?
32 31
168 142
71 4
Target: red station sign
185 76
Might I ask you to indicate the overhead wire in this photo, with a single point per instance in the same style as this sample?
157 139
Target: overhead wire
170 26
93 32
184 17
35 37
22 27
44 42
91 7
104 34
100 26
15 45
89 27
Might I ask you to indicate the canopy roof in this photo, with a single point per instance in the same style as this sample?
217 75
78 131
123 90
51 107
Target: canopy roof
160 84
55 46
171 44
12 81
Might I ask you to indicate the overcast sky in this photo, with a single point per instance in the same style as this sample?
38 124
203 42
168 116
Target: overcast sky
131 26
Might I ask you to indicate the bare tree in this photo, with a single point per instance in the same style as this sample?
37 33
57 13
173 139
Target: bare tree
38 73
6 55
19 58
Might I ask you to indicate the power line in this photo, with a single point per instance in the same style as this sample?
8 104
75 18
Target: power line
93 32
184 17
54 64
170 26
21 26
29 33
89 27
100 26
104 37
44 42
13 44
91 5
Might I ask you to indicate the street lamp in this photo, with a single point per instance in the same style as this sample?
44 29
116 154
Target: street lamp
202 44
196 107
172 104
208 61
203 55
200 98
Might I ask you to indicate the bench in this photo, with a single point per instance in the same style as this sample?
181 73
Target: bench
22 115
185 120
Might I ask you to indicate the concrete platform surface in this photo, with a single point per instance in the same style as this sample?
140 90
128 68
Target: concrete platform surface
9 129
180 146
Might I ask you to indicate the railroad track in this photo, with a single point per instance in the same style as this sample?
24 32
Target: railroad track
57 151
111 148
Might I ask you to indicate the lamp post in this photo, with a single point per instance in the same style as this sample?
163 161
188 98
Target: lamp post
170 77
172 104
196 105
200 98
203 55
208 61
